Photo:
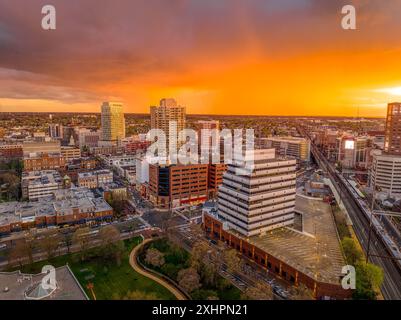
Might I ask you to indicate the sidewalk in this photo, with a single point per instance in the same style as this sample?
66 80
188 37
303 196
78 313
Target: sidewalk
134 264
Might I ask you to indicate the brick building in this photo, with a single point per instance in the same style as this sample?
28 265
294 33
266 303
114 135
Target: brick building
215 178
178 185
44 161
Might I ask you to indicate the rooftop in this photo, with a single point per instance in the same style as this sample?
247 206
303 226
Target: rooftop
94 173
41 177
63 202
286 139
316 251
17 286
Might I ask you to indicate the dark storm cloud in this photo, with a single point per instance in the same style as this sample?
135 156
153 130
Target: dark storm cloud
98 42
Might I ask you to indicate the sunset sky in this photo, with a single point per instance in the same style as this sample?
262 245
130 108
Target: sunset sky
262 57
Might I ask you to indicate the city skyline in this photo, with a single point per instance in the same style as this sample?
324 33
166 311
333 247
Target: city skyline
253 58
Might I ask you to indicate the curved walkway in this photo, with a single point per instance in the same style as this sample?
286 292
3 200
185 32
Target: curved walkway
134 264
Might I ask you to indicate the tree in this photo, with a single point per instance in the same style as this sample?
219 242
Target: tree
111 246
260 291
368 281
301 292
374 275
166 221
17 253
50 242
231 259
23 249
198 254
209 274
30 245
188 279
108 235
81 239
154 257
352 253
68 240
118 248
12 183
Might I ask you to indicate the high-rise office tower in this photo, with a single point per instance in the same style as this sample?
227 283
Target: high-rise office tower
113 122
264 200
392 143
168 111
56 130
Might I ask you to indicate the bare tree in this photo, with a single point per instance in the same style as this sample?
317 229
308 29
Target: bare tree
68 240
198 254
50 242
232 260
81 239
301 292
260 291
189 279
108 235
111 245
17 253
154 257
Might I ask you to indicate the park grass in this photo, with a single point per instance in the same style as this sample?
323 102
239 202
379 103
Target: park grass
110 281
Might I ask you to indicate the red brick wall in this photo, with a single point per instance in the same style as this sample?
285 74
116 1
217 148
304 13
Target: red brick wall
274 265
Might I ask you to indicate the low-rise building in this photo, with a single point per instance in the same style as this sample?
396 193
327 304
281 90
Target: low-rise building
39 147
39 184
354 152
70 153
88 138
66 206
23 286
11 151
74 167
94 179
44 161
298 148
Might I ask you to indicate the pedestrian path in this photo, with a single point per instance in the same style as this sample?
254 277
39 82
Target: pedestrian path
135 265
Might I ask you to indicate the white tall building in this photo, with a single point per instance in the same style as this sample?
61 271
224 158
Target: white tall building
264 200
385 174
161 117
113 122
56 130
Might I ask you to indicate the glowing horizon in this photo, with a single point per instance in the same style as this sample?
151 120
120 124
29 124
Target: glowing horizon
288 58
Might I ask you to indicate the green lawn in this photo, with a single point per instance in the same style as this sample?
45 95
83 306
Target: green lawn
109 280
